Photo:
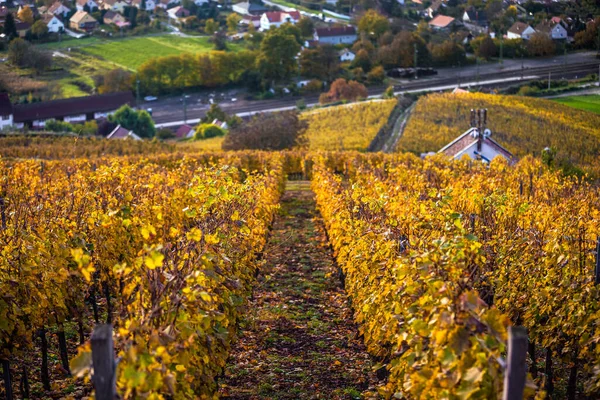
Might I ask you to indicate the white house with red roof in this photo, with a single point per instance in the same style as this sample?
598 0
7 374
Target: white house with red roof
275 19
336 35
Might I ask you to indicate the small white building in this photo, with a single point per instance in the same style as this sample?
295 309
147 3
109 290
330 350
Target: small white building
6 111
477 144
336 35
275 19
58 8
520 30
347 55
121 133
54 24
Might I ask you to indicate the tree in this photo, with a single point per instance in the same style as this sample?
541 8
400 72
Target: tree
277 57
10 28
207 131
215 112
138 121
26 15
273 131
376 75
321 62
38 60
143 5
116 80
484 47
362 60
211 26
39 29
373 24
586 39
344 90
540 44
219 40
289 29
448 53
17 52
233 21
306 26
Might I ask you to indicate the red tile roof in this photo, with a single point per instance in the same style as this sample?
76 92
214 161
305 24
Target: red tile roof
441 21
183 131
279 16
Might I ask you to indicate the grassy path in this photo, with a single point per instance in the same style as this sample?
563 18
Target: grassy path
299 340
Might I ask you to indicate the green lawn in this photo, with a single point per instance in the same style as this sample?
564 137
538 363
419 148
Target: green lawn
131 53
587 103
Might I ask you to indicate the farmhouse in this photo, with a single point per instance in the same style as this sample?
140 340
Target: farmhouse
347 55
336 35
113 18
520 30
277 18
476 142
57 8
247 8
121 133
553 29
76 109
53 23
91 4
82 21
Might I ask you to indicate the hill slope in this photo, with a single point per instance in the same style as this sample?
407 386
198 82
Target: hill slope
523 125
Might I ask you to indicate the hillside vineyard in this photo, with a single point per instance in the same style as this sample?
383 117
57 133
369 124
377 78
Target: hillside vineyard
438 259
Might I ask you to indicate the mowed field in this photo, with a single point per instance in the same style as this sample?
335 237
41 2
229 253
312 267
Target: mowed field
587 103
131 53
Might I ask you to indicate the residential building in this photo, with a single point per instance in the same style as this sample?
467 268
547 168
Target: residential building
184 131
553 29
251 20
178 12
441 22
114 5
53 23
22 28
336 35
83 22
75 109
433 9
520 30
165 4
150 4
477 143
58 8
277 18
6 111
347 56
3 13
475 17
122 133
114 18
91 4
247 8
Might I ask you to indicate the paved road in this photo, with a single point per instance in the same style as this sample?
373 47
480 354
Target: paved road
171 111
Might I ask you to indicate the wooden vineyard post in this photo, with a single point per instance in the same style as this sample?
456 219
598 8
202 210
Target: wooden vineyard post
7 379
103 361
597 271
516 366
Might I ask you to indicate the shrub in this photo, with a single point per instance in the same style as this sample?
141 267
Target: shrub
206 131
274 131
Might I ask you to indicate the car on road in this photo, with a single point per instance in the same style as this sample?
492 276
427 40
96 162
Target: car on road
150 98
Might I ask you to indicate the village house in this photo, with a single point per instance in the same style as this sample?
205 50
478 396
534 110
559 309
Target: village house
433 9
442 22
475 17
113 18
347 56
253 20
247 8
150 4
91 4
53 23
336 35
553 29
6 111
83 22
114 5
177 13
22 28
476 142
165 4
275 19
121 133
74 110
520 30
184 131
58 8
3 13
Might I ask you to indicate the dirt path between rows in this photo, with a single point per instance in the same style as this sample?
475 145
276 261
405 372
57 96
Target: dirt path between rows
299 340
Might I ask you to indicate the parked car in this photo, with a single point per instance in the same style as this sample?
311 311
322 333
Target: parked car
150 98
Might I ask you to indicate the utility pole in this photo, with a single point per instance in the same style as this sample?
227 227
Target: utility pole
416 52
184 109
137 92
